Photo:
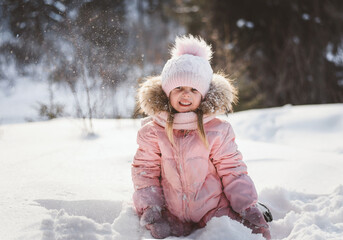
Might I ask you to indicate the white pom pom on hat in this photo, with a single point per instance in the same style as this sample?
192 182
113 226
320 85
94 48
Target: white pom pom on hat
189 65
193 46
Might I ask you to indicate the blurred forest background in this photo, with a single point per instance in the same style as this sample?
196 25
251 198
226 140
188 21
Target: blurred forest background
278 51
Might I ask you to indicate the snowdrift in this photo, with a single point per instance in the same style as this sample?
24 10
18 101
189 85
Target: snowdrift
56 183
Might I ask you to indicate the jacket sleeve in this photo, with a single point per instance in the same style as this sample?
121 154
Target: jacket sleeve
146 171
238 186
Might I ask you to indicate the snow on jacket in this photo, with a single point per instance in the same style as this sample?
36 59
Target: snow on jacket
192 181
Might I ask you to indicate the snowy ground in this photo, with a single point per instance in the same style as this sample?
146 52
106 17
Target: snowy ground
55 183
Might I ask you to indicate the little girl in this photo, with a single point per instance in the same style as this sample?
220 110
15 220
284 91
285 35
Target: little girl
187 168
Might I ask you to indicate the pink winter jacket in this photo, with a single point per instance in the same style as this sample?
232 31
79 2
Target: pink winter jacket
193 182
191 177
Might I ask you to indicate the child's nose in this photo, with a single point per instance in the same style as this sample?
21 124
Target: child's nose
186 93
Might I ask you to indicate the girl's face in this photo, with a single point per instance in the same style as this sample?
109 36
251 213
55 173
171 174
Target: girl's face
185 99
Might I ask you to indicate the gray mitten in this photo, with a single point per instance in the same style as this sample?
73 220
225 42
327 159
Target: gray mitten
254 219
153 221
151 215
159 229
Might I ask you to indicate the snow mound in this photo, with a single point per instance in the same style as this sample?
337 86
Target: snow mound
310 126
71 224
297 216
300 216
225 228
66 225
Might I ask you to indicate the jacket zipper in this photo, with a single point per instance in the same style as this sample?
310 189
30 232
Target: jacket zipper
182 175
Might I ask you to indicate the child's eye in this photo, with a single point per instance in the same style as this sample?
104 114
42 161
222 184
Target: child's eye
178 88
194 90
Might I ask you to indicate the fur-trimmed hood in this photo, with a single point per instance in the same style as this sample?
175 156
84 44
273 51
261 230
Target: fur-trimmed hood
219 99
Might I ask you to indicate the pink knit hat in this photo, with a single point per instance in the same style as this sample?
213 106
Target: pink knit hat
189 65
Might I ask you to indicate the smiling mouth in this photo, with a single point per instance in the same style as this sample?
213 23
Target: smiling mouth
184 104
